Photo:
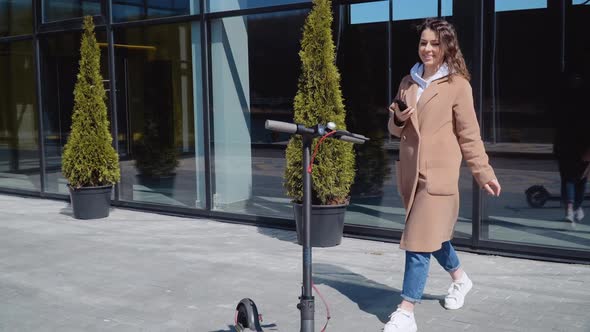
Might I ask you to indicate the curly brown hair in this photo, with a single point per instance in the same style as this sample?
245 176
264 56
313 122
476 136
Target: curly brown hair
450 44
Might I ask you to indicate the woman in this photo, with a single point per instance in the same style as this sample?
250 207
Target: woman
571 145
437 129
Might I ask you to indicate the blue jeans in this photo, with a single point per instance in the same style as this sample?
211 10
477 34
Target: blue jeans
572 191
417 266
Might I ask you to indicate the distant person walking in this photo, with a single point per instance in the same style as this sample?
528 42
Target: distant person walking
437 130
571 145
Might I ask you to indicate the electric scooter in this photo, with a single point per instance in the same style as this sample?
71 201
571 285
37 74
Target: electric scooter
538 195
247 316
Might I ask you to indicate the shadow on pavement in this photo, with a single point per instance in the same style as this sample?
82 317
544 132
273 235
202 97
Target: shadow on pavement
280 234
265 327
67 211
372 297
231 328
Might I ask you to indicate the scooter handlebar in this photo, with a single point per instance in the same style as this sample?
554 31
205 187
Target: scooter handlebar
292 128
351 139
346 133
284 127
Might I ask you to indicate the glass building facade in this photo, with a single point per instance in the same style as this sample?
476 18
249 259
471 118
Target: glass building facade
190 84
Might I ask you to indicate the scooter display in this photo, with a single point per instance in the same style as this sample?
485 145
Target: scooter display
247 316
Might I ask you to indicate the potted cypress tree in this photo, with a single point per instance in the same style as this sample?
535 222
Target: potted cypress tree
89 161
319 100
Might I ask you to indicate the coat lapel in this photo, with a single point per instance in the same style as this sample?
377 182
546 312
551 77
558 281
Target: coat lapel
428 96
411 101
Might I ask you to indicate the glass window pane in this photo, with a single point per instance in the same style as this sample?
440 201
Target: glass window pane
411 9
255 67
447 8
517 99
129 10
530 209
55 10
16 17
224 5
541 130
580 2
362 61
61 54
369 12
159 114
510 5
19 143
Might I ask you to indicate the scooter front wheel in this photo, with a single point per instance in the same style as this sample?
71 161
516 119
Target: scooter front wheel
247 316
537 196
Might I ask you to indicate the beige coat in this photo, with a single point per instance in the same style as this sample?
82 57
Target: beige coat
442 131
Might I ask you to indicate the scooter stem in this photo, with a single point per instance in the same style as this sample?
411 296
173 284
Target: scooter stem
306 301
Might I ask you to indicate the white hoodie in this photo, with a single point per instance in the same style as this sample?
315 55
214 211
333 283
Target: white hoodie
417 71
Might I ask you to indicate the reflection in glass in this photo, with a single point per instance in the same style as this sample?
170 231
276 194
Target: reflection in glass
446 8
362 61
223 5
55 10
159 135
542 129
377 11
530 211
16 17
511 5
129 10
369 12
19 144
410 9
61 54
255 66
518 99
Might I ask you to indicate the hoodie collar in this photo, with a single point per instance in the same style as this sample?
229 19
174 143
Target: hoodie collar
418 69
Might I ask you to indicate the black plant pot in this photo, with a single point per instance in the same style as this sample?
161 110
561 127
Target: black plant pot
327 224
91 202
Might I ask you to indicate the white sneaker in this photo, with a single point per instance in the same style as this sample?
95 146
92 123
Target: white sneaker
579 214
569 215
456 293
401 321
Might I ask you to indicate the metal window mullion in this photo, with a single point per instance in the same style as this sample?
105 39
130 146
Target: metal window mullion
205 60
389 55
40 128
112 86
563 18
477 201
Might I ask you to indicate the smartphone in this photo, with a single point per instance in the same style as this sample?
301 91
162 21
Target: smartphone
401 105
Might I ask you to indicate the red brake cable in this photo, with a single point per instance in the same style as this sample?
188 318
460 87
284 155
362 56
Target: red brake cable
328 316
315 151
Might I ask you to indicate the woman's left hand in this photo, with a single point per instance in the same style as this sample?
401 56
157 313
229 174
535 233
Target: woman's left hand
493 187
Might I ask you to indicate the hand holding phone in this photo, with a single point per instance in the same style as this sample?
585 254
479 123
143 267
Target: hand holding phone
402 112
400 105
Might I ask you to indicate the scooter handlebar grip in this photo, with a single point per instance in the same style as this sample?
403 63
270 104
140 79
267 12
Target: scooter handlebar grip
364 138
284 127
351 139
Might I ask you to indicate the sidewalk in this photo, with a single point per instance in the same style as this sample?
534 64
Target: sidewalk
137 271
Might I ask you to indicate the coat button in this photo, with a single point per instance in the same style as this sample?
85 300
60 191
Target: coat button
404 137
